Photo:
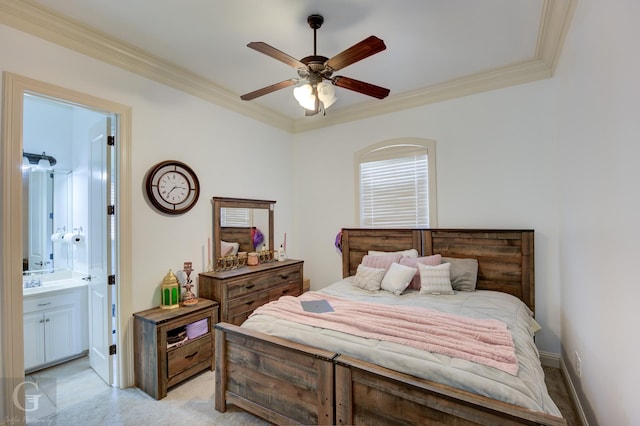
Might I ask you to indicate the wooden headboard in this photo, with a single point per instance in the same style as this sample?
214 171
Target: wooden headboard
505 257
240 235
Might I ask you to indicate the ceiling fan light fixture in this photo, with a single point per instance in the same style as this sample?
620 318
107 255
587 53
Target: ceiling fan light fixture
315 94
327 94
304 96
306 99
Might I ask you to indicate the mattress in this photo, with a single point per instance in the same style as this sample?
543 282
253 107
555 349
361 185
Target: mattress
526 389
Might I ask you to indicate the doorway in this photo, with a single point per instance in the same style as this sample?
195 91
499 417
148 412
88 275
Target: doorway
117 228
67 236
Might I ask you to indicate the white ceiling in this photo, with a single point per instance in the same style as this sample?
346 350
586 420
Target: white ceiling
436 49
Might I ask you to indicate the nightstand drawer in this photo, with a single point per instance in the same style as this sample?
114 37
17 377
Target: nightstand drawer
188 355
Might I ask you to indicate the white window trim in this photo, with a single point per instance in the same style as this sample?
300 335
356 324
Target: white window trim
393 148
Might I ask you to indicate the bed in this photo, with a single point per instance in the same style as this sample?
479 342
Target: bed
289 373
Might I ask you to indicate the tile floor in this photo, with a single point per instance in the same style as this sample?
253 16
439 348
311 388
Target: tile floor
72 394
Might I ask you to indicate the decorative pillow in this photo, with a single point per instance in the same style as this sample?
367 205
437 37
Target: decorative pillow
412 262
229 249
464 273
403 253
368 278
435 279
381 261
397 278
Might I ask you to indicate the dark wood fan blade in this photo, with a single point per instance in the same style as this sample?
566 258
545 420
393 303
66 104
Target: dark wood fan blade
276 54
357 52
360 87
268 89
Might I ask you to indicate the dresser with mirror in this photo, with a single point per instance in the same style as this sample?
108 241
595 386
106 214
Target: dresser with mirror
244 226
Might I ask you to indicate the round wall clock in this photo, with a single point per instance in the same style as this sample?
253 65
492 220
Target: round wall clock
172 187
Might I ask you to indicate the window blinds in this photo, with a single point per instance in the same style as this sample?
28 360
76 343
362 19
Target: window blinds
235 217
395 192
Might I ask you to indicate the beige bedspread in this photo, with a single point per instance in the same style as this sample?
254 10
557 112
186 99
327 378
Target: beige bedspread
485 341
526 389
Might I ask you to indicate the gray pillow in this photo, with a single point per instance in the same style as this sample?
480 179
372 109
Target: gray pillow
464 273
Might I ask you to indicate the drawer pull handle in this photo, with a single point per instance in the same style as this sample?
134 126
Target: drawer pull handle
191 356
249 287
44 304
284 277
285 291
250 303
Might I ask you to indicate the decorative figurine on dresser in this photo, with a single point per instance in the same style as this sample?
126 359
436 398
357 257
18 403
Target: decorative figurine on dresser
174 341
241 284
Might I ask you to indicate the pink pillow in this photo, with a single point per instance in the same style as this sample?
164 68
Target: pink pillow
383 261
434 260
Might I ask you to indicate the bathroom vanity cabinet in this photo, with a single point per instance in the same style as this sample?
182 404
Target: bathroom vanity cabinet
54 327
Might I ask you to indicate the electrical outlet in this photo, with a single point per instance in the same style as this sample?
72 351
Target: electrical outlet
578 365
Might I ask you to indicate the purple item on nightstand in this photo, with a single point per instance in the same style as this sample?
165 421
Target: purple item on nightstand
198 328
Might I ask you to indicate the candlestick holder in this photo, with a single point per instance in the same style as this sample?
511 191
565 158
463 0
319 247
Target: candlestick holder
189 298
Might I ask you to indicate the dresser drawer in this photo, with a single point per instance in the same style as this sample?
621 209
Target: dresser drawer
253 284
184 357
247 303
240 318
263 281
291 289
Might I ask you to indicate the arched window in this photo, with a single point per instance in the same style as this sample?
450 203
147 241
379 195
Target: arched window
396 184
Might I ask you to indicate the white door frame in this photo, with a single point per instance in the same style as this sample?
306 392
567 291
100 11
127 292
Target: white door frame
11 311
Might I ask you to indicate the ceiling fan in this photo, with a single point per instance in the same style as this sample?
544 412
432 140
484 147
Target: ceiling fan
316 94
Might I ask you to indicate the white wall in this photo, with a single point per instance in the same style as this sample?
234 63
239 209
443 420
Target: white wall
232 155
599 145
558 156
496 168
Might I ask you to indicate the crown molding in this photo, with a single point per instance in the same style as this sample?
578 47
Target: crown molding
46 24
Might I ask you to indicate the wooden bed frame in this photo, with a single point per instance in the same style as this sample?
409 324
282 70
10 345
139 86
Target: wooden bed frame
290 383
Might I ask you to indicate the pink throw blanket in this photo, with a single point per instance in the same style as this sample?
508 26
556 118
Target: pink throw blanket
484 341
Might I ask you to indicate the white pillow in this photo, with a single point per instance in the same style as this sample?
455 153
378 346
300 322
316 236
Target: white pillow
229 249
397 278
403 253
435 279
368 278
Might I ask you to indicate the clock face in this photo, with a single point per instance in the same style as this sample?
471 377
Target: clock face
172 187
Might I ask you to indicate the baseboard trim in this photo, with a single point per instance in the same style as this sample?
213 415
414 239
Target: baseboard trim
572 392
549 359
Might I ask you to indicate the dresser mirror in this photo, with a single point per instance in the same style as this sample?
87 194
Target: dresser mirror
234 219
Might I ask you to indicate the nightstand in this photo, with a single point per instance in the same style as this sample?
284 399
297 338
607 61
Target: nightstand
160 364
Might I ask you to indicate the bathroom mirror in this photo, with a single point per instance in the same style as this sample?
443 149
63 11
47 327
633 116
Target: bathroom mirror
46 209
233 220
